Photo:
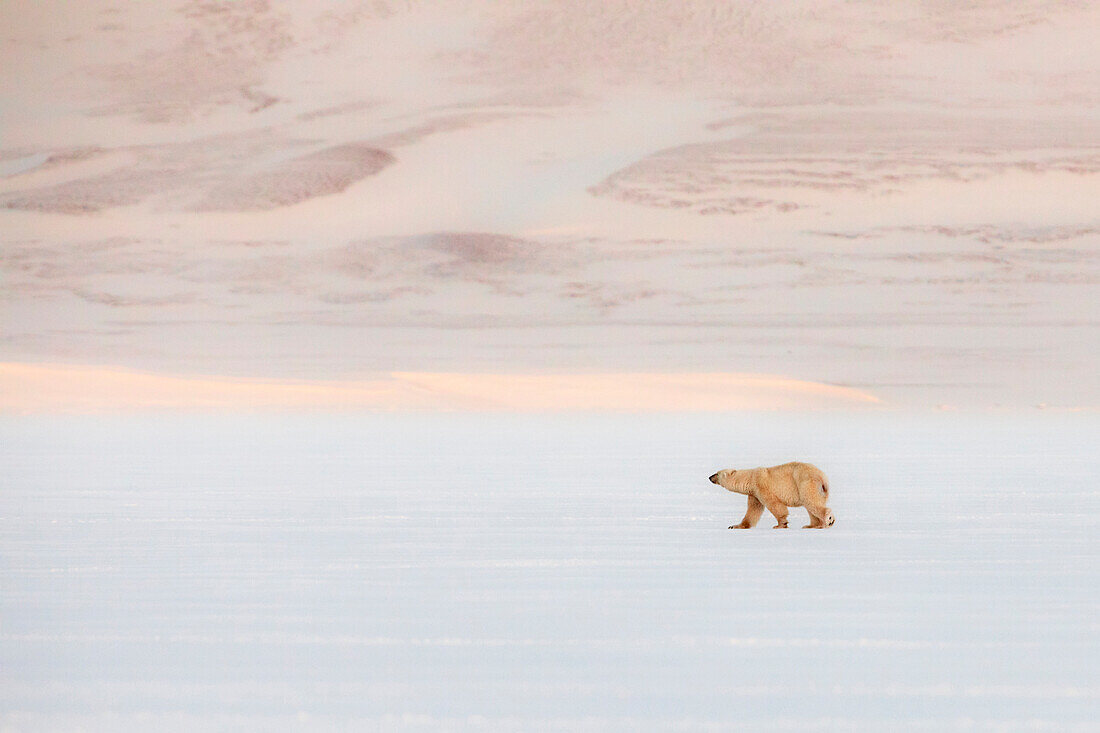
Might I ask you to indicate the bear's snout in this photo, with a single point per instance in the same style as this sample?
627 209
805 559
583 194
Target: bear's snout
714 479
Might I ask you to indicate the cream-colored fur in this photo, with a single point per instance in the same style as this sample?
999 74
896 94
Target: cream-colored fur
779 487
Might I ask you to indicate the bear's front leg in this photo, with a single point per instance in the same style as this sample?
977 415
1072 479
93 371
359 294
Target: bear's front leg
778 510
752 515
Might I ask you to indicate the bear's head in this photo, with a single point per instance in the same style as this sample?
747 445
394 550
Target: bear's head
829 519
722 478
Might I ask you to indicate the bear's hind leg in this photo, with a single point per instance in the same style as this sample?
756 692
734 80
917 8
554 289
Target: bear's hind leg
814 495
752 516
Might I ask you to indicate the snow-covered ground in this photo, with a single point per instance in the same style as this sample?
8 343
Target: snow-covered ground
545 573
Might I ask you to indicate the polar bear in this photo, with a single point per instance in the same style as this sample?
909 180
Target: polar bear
779 487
